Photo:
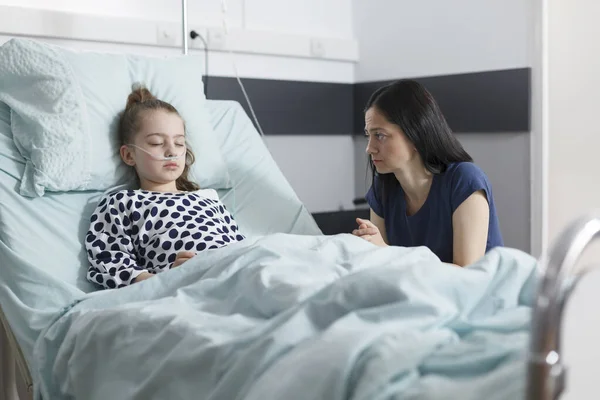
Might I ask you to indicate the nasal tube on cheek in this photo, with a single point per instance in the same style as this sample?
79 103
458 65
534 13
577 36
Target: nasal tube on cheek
154 157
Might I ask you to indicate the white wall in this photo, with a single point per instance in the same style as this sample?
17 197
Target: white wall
573 104
311 164
572 62
310 19
331 18
290 21
406 38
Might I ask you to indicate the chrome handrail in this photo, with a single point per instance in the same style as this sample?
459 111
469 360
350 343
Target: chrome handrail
546 371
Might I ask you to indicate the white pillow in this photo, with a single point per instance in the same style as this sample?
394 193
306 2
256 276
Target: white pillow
65 107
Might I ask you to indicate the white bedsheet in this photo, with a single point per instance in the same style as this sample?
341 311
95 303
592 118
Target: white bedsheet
300 317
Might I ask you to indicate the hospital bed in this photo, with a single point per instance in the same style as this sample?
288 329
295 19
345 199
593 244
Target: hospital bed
289 312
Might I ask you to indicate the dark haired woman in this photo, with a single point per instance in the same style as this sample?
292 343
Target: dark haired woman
426 190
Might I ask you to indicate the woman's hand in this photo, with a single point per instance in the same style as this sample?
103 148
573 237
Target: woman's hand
368 231
182 257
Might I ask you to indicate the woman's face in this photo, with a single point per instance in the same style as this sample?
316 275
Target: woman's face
388 147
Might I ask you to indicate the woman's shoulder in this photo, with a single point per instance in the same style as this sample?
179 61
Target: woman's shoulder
460 180
464 168
464 172
463 178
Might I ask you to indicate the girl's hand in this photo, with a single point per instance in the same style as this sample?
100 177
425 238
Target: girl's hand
182 257
368 231
143 276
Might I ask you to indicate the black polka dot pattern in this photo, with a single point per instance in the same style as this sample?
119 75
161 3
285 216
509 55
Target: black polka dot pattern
135 231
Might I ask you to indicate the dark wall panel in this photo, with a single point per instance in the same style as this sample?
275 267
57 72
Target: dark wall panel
491 101
291 107
494 101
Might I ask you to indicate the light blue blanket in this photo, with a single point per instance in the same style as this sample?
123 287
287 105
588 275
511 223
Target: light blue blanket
299 317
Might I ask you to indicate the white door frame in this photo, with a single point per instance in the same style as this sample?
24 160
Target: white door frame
539 129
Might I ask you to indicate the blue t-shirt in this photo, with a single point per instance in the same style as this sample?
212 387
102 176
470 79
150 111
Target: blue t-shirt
431 226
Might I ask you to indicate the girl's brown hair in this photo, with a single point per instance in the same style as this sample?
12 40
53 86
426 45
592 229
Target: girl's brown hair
139 101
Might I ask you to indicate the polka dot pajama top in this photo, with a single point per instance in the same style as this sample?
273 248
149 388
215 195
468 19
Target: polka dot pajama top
133 231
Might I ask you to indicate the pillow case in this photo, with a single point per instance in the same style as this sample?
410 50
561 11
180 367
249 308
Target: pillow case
65 106
5 121
11 162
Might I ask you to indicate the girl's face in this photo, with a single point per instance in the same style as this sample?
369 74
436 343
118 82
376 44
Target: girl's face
161 134
388 146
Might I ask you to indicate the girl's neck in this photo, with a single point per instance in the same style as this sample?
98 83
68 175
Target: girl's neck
150 186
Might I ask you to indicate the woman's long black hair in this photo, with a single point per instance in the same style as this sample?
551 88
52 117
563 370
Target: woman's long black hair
410 106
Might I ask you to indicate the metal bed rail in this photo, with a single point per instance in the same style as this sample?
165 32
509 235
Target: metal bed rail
546 371
12 382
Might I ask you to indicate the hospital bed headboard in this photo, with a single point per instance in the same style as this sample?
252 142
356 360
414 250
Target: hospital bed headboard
261 200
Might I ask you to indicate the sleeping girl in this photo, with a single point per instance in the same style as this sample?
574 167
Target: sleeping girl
135 234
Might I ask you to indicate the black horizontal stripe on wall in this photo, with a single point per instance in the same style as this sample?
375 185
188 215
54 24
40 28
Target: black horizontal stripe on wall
490 101
291 107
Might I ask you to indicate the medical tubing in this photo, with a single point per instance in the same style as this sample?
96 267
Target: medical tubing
172 158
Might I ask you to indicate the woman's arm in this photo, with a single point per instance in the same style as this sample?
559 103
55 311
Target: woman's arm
380 224
372 230
470 224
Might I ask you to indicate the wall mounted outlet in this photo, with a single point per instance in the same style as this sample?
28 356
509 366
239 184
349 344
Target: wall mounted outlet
317 48
216 39
199 41
166 35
